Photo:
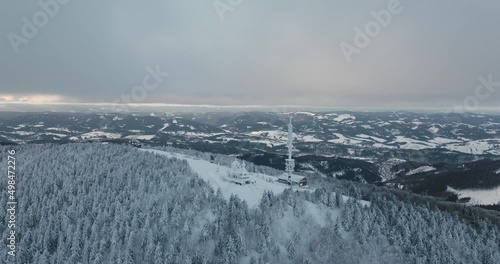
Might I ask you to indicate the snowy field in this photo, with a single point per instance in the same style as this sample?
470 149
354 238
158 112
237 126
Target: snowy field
479 196
97 135
420 170
214 175
141 137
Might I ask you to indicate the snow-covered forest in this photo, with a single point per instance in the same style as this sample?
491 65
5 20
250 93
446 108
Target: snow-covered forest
93 203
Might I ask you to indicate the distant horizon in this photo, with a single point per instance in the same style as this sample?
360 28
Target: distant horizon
162 107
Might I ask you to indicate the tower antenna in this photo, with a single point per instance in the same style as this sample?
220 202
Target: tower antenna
290 163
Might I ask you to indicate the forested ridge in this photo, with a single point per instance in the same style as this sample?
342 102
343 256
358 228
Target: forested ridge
93 203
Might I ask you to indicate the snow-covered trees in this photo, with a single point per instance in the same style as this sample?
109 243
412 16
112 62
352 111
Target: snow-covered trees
92 203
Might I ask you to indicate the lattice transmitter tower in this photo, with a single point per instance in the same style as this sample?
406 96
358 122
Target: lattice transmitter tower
290 163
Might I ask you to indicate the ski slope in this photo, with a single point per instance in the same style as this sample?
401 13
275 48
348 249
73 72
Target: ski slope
214 175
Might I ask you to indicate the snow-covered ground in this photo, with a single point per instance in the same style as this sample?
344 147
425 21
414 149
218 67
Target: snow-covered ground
408 143
141 137
476 147
343 117
420 170
214 175
380 140
441 141
24 133
97 135
278 137
19 127
60 129
306 113
191 134
470 147
164 126
54 134
343 140
479 196
310 138
271 134
433 129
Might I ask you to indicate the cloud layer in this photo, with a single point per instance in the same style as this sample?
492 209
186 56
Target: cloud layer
262 52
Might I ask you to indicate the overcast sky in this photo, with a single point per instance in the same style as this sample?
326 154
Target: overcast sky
430 54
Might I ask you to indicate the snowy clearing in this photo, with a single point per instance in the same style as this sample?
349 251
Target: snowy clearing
311 139
344 117
344 140
214 175
60 129
96 135
140 137
420 170
380 140
412 143
479 196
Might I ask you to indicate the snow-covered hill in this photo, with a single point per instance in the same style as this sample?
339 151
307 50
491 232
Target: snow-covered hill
95 203
467 134
214 174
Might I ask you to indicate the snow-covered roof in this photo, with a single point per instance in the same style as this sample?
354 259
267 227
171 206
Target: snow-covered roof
238 167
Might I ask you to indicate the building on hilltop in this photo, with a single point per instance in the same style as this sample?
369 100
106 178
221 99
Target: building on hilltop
239 174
